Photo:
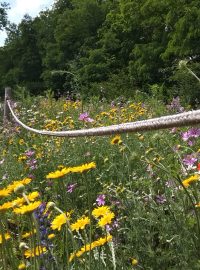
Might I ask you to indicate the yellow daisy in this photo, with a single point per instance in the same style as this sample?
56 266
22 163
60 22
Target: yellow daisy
99 242
59 221
102 241
100 211
15 184
5 206
106 219
4 237
83 168
33 195
4 193
28 234
35 251
51 236
80 224
20 201
189 180
26 209
116 140
58 173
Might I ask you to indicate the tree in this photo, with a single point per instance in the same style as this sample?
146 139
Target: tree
3 14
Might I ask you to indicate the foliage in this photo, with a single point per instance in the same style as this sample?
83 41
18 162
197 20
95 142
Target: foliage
138 43
3 15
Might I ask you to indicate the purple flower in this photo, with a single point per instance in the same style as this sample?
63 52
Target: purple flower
160 199
108 228
31 176
32 163
190 143
101 199
191 133
185 136
71 187
85 117
173 130
115 224
194 132
175 105
189 160
29 153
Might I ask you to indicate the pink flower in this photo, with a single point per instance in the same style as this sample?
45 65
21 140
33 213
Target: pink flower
101 199
71 187
85 117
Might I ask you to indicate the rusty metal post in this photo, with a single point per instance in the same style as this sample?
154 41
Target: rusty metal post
6 114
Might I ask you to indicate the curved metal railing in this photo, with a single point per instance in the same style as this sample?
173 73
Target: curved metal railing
164 122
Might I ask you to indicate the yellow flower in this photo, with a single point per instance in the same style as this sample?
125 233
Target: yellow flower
21 158
197 204
189 180
99 242
21 266
80 224
134 261
26 209
27 234
35 251
102 241
72 256
66 170
32 196
59 221
83 168
18 202
51 236
6 206
106 219
100 211
21 142
116 140
4 237
58 173
4 193
15 184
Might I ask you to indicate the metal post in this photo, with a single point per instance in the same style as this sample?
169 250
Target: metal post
6 108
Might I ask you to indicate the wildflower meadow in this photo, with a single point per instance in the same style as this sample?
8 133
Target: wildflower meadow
129 201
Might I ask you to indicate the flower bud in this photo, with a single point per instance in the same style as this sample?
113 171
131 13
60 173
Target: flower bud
19 189
23 246
50 205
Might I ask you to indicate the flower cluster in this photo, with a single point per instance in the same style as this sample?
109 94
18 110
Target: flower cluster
67 170
99 242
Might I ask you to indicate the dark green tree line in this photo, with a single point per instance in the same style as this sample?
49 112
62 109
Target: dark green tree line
115 45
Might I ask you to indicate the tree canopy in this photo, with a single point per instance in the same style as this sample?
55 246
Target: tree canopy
115 45
3 14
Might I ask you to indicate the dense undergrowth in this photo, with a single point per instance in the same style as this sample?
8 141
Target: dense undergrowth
111 202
